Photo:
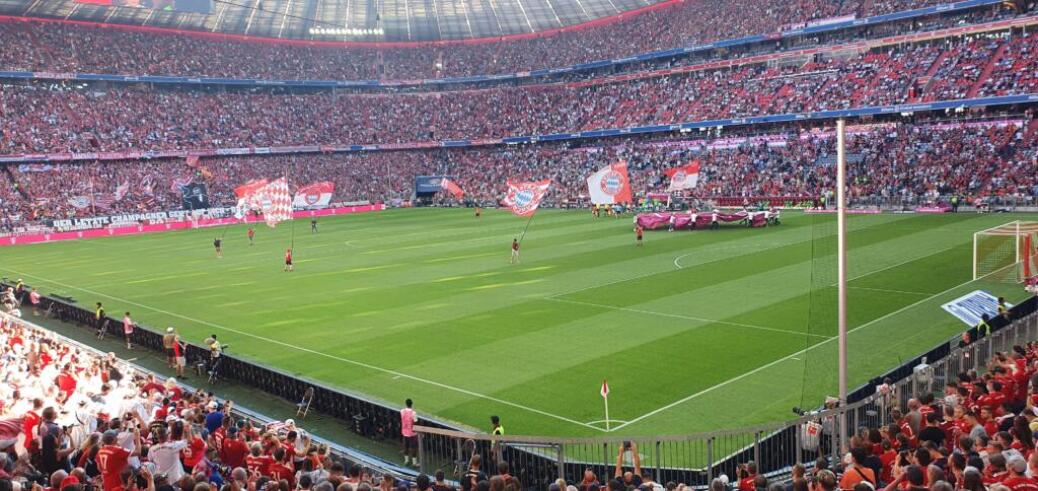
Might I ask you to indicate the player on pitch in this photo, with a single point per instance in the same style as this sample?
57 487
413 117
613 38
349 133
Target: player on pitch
638 233
313 225
216 244
288 259
252 236
515 251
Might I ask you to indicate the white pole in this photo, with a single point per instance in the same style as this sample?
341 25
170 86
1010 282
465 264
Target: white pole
607 411
975 255
841 255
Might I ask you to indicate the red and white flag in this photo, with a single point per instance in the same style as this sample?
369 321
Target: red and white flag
270 198
684 177
121 190
610 185
249 188
318 194
523 198
452 187
605 389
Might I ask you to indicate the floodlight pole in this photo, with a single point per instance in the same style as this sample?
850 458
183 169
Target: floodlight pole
841 254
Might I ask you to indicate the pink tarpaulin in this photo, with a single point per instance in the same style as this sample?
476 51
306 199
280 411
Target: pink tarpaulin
938 208
173 225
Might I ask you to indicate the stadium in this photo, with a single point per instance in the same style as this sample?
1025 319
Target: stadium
510 245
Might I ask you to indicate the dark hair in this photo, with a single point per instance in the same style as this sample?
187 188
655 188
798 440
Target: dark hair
408 403
495 419
915 475
422 481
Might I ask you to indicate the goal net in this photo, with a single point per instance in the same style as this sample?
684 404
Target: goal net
1006 253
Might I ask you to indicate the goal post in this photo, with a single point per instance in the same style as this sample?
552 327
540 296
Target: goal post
1006 253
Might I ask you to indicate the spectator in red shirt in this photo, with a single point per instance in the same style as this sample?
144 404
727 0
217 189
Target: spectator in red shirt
257 463
1017 479
233 451
113 459
281 468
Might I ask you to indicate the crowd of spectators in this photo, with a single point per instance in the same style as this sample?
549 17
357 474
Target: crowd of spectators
57 47
75 420
41 118
890 162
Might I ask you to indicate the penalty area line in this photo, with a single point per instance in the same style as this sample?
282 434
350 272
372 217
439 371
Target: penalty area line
361 364
784 358
687 317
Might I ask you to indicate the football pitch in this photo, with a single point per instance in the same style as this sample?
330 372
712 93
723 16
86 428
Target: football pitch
694 331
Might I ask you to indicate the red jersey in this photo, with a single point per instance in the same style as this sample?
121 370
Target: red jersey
66 382
1022 483
252 233
279 471
746 483
259 465
29 424
639 231
111 460
194 452
233 453
288 257
515 246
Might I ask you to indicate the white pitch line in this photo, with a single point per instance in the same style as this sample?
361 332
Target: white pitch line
368 366
902 263
887 290
784 358
686 317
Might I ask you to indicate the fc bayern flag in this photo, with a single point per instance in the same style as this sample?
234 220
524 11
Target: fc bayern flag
273 199
684 177
610 185
318 194
452 187
605 389
523 198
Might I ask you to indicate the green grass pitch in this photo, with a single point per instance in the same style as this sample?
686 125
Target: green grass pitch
694 331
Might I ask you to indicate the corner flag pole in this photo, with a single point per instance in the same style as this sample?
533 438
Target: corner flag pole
841 254
605 396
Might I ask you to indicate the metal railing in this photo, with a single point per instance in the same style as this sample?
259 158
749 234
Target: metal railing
696 459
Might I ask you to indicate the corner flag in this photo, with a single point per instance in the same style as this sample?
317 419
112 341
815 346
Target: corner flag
605 397
605 389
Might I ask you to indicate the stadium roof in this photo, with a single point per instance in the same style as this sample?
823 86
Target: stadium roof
344 20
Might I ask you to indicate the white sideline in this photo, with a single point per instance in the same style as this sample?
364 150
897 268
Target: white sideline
902 263
780 360
907 292
687 317
314 352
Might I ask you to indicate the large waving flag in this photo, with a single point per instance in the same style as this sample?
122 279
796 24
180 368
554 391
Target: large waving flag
271 198
524 197
452 187
318 194
684 177
610 185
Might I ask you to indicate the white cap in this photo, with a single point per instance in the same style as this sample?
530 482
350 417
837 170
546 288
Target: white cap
169 329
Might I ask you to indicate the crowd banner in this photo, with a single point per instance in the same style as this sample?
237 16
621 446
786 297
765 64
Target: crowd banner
88 228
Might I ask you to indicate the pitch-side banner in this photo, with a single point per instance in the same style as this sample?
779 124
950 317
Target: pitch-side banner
316 195
970 307
610 185
684 177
